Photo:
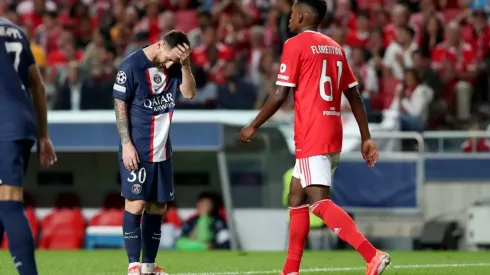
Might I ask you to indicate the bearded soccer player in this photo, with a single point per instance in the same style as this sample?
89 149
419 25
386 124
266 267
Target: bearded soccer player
315 67
144 93
23 121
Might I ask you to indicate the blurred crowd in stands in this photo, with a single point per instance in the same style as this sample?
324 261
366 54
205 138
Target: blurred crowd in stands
429 59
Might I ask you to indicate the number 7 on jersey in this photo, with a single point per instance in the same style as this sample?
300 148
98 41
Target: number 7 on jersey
327 80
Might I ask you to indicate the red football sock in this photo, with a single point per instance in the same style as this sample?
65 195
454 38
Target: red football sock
343 225
299 226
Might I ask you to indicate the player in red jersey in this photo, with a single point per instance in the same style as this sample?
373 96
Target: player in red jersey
316 68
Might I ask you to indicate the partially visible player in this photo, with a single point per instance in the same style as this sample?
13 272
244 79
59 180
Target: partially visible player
144 92
316 68
23 121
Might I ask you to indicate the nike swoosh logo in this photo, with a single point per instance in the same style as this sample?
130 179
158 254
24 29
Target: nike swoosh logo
171 193
127 233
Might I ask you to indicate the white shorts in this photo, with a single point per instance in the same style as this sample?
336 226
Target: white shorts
316 170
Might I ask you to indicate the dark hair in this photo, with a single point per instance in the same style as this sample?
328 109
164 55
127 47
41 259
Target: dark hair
208 27
110 48
216 201
425 53
174 38
203 13
409 30
363 13
425 43
319 6
363 51
141 36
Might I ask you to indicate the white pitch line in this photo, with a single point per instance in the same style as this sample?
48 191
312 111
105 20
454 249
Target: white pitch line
338 269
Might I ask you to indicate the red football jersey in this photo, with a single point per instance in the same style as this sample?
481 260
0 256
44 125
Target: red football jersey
316 68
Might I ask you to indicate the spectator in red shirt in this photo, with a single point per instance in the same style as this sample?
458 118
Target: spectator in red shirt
212 55
66 51
48 33
399 16
455 61
359 37
367 74
152 22
204 19
380 17
428 9
344 16
32 12
339 35
375 48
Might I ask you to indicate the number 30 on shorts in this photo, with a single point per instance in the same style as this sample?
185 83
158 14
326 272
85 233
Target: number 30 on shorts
139 176
327 80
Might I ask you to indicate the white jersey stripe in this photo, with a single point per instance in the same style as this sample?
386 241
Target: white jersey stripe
161 124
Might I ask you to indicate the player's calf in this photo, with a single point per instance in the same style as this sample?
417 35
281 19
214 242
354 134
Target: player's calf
344 227
21 242
151 232
132 233
299 226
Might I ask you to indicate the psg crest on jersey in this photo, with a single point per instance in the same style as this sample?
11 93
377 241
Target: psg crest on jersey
137 188
157 78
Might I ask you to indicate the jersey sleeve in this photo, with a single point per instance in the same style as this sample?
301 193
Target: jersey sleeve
347 79
28 57
289 68
123 88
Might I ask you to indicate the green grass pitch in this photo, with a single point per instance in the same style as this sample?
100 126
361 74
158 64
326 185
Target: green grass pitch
113 262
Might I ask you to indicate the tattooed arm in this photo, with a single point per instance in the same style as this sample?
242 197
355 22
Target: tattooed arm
122 120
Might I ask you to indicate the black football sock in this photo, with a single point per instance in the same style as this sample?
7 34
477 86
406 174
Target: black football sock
132 236
151 232
21 241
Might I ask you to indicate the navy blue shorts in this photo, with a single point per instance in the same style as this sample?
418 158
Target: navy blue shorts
152 182
14 159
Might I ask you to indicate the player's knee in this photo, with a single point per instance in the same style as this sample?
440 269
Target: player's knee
296 200
11 193
156 208
135 206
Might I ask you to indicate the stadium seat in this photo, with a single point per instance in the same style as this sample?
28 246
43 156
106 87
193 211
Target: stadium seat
67 200
108 217
31 217
186 20
63 229
172 217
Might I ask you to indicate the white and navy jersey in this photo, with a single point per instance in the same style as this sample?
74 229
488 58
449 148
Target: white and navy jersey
17 118
149 93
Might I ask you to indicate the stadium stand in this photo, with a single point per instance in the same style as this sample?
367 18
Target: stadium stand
79 44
